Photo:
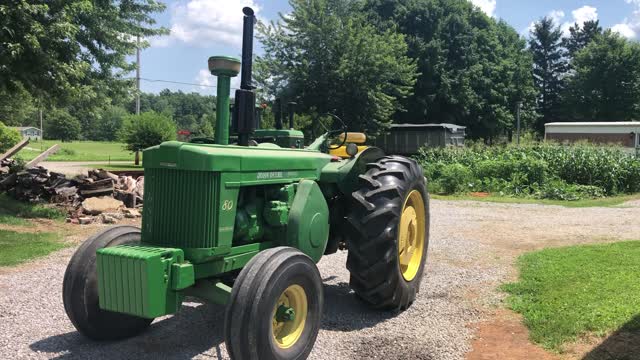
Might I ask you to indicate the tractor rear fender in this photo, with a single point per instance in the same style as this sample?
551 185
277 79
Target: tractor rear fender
345 173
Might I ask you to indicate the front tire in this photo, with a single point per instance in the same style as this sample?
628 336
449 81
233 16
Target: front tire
389 233
275 307
80 289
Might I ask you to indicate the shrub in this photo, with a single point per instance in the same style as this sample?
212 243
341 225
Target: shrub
8 137
147 129
455 178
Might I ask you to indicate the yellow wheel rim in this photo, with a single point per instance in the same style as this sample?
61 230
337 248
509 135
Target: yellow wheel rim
289 316
411 235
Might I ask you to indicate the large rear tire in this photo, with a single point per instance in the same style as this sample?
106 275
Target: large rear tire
80 289
389 233
275 307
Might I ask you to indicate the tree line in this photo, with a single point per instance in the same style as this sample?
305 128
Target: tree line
371 62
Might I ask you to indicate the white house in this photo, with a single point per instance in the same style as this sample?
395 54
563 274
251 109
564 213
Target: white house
29 132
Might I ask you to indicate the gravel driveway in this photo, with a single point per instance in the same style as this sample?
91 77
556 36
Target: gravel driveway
472 249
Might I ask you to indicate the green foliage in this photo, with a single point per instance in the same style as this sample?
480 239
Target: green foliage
593 288
473 69
189 111
329 58
147 129
603 86
108 124
60 125
61 50
8 137
455 178
581 36
545 171
549 68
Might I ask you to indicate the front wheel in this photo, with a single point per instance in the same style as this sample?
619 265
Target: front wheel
275 307
389 233
80 290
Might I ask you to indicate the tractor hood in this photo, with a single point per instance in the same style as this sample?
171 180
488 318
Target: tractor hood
231 158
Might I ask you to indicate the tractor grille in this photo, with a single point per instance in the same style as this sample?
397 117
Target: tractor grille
179 208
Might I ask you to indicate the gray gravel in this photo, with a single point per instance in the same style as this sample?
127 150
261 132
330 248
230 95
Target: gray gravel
470 253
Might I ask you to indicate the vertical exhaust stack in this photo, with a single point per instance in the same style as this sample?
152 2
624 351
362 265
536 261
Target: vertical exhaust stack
292 112
245 97
277 112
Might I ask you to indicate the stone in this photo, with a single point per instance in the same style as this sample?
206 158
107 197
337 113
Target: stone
115 215
85 220
131 213
106 219
98 205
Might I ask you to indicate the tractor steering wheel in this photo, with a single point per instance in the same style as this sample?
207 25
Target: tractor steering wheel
332 134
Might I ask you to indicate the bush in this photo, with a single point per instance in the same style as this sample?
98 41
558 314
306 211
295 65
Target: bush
455 178
8 137
147 129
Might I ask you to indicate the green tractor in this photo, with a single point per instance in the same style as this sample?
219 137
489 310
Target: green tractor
244 224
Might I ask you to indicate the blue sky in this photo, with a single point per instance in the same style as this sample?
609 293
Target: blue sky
202 28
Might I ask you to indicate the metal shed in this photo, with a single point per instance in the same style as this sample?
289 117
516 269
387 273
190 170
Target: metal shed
406 139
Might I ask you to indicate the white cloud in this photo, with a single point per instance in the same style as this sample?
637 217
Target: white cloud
205 81
630 26
488 6
624 30
202 22
579 16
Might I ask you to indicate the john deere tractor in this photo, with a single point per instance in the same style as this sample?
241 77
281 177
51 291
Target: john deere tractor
243 224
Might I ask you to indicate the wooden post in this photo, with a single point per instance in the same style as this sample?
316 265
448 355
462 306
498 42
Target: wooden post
42 156
14 149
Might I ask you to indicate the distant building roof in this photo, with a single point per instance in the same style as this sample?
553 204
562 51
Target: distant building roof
22 128
442 125
600 123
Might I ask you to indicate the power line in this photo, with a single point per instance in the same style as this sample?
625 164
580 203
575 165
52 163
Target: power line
181 83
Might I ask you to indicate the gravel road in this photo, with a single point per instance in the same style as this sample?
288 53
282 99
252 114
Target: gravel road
473 246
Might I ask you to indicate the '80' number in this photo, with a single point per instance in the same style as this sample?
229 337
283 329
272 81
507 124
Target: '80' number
227 205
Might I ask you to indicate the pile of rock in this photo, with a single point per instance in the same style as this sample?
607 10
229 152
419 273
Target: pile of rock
98 196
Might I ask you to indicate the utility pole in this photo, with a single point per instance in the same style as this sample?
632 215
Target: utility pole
138 76
41 128
518 106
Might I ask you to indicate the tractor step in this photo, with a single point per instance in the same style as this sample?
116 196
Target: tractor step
143 281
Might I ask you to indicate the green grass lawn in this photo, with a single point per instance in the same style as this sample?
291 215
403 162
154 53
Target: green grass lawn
78 151
16 247
13 212
118 167
603 202
565 293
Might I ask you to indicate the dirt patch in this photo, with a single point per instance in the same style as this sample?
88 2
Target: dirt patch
504 337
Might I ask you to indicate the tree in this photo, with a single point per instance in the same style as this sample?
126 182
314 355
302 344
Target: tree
604 86
8 137
17 108
580 37
61 125
59 50
147 129
549 69
472 69
328 58
108 123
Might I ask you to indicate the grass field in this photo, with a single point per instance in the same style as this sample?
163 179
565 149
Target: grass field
16 247
565 293
78 151
20 246
602 202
